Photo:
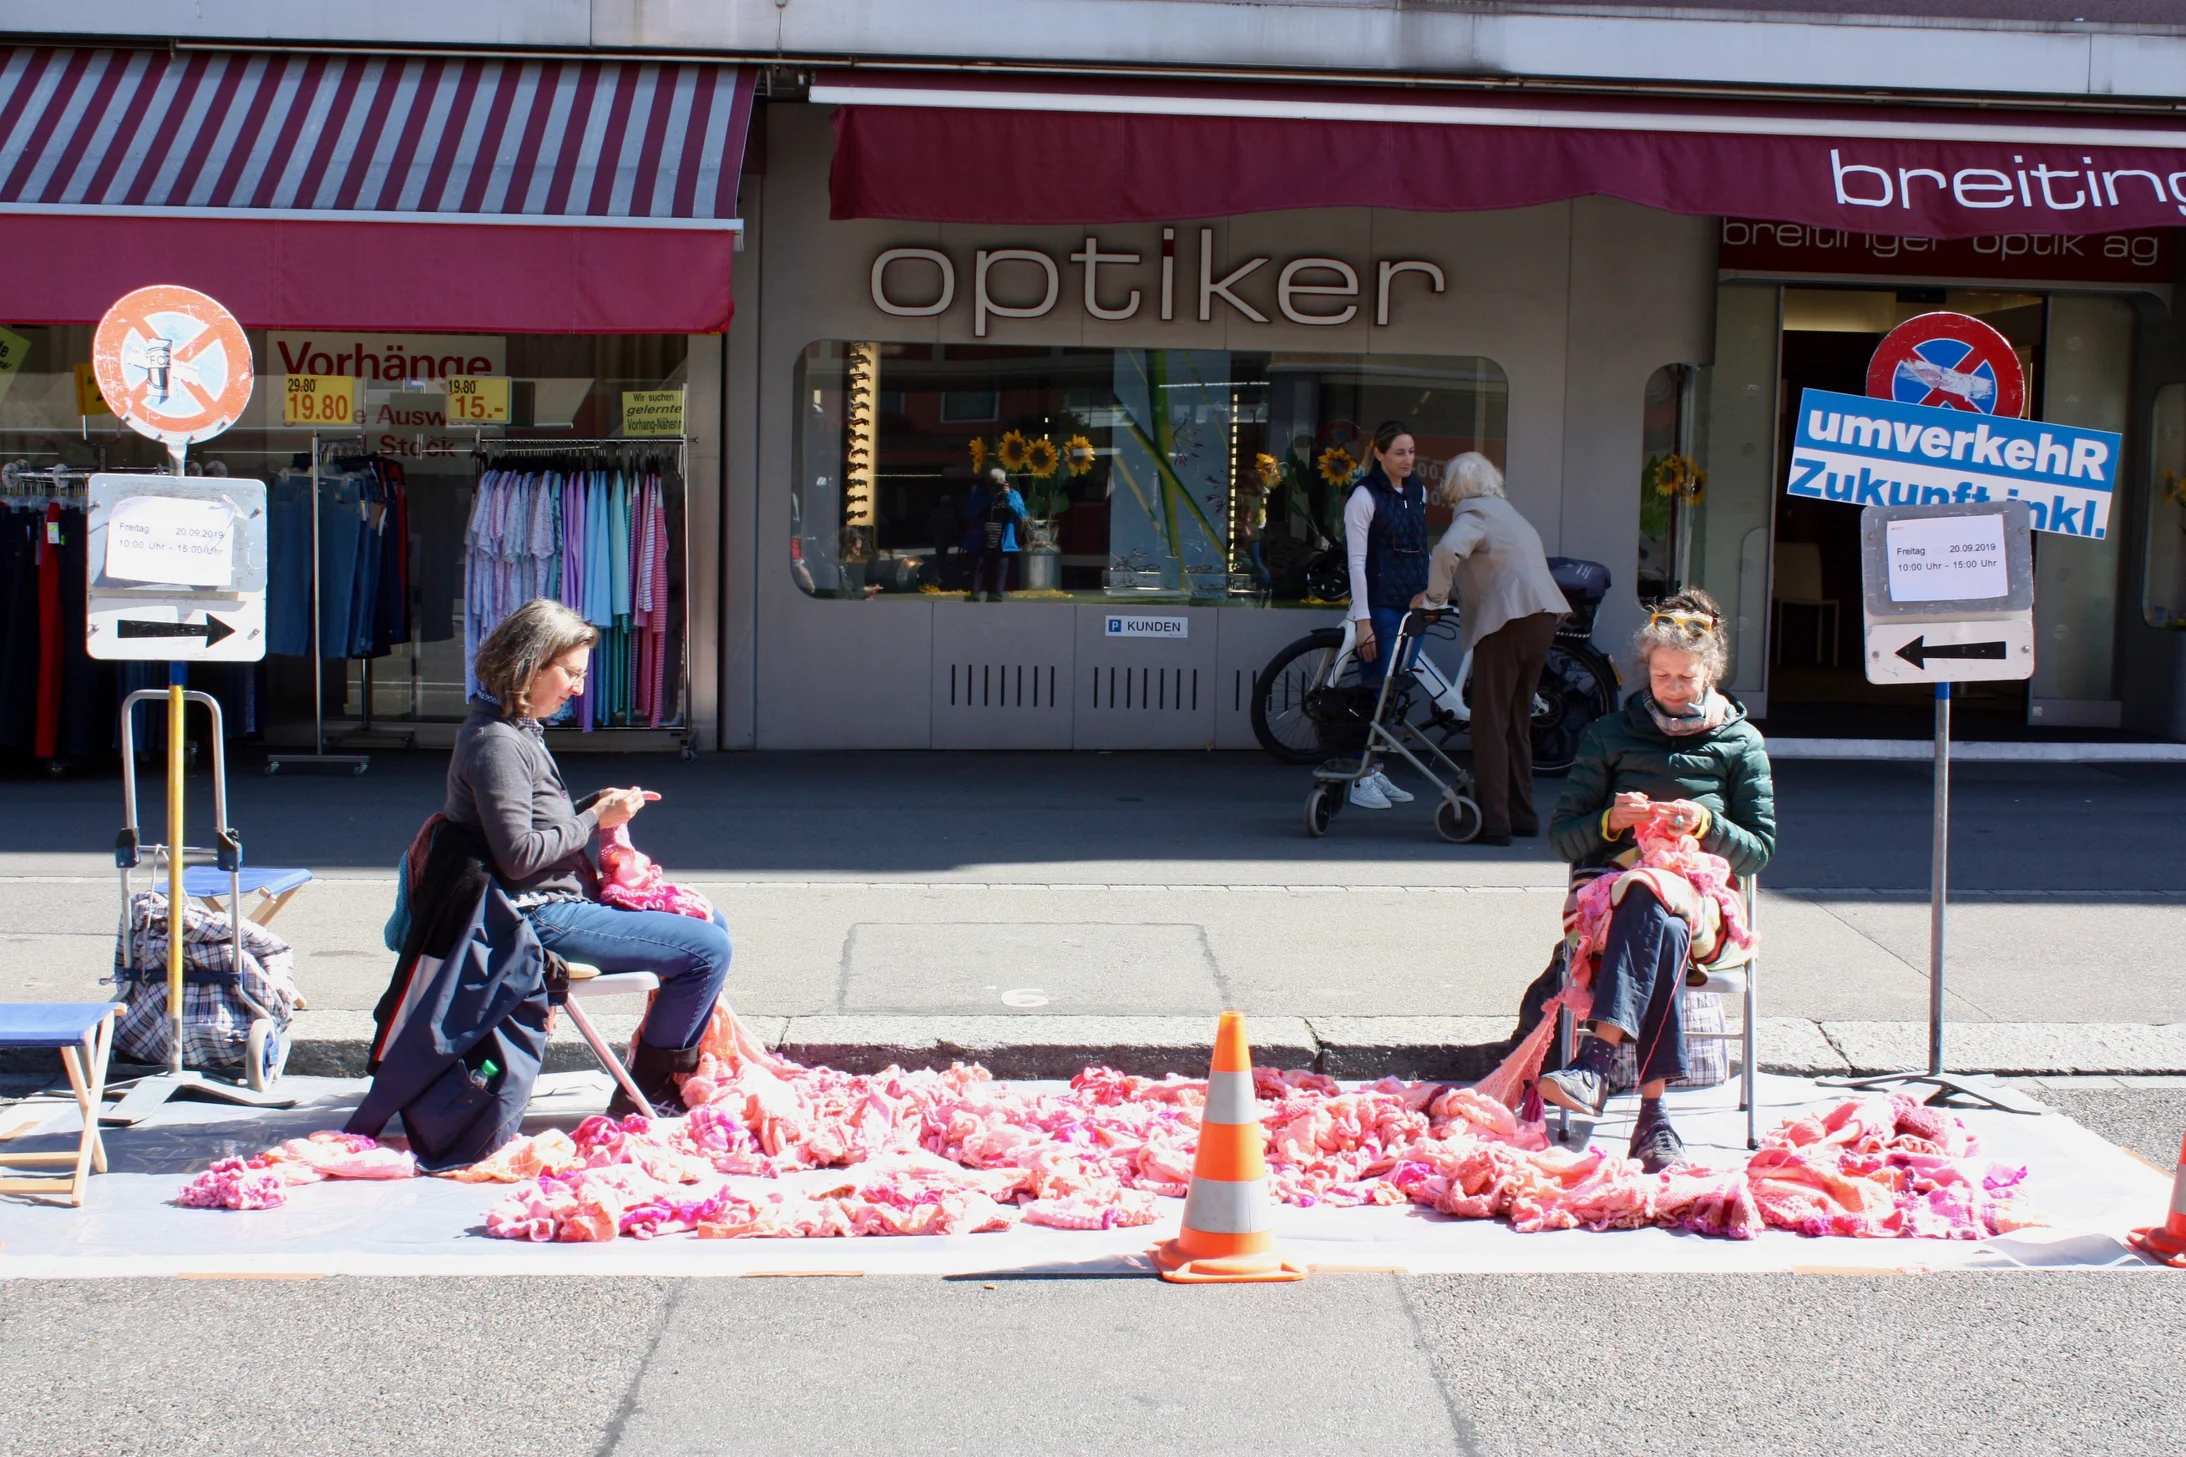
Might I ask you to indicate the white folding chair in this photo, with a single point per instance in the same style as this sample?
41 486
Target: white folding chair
1739 981
585 984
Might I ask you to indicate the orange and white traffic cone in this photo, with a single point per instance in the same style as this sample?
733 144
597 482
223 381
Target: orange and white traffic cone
1229 1230
2167 1242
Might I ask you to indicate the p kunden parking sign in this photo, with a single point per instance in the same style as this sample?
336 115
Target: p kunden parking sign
1869 452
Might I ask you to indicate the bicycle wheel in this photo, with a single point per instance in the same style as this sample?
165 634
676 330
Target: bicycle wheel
1294 715
1577 686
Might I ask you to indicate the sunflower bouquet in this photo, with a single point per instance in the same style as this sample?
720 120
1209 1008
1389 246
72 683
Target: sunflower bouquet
1038 467
1678 477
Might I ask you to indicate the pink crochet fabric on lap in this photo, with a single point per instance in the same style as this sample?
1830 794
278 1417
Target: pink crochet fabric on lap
629 880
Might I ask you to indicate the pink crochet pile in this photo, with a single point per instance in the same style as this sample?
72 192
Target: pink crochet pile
955 1152
262 1181
629 880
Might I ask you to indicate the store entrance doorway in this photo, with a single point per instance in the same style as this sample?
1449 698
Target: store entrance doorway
1816 682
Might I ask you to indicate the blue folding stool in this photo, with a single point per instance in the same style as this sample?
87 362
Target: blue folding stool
69 1028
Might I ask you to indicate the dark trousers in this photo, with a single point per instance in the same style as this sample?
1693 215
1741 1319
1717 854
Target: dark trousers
1507 667
991 565
1639 983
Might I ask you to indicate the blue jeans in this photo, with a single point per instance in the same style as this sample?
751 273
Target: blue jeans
1386 620
1640 982
690 956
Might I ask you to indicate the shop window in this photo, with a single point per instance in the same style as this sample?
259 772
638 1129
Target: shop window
2163 600
1671 483
1209 476
402 654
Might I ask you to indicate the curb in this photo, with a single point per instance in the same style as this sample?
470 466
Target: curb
1450 1049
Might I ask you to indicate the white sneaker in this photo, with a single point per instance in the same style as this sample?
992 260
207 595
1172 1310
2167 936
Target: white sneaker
1389 790
1366 794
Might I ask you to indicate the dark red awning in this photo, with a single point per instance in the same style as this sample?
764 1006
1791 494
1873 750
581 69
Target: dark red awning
1037 150
425 193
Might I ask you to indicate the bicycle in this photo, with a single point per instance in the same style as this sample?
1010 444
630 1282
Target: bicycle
1309 701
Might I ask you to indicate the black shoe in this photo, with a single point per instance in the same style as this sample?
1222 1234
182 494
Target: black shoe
1530 832
652 1071
1582 1087
1491 837
1656 1145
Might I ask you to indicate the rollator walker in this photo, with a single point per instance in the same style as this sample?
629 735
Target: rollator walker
1390 731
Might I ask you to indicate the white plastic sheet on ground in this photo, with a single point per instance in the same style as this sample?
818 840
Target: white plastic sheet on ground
2090 1191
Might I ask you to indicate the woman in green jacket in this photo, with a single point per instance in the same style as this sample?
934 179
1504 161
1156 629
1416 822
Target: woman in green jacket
1678 750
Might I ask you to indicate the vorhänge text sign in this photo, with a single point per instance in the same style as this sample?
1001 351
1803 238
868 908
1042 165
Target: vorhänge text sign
1947 559
1867 452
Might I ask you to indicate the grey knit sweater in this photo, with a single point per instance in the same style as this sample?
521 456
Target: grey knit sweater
502 782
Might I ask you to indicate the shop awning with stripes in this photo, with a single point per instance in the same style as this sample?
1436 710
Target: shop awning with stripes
1037 149
372 191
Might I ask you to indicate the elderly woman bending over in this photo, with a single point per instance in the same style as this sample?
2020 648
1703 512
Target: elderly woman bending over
503 782
1509 607
1681 750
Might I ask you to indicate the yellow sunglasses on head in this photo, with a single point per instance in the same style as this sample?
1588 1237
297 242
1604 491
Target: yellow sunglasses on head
1692 624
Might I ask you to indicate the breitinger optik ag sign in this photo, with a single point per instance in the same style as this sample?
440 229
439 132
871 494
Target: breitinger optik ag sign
1870 452
1312 291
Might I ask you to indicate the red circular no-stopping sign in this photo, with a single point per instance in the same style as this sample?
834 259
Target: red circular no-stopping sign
1951 360
172 363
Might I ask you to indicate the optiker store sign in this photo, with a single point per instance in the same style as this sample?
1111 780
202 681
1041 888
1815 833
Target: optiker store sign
1869 452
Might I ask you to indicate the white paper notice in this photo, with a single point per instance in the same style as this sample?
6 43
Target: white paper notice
172 541
1948 559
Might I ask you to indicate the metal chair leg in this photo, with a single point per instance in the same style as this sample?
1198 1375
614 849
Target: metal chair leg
606 1055
1564 1049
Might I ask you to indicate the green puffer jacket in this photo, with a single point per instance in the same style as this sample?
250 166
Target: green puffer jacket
1725 770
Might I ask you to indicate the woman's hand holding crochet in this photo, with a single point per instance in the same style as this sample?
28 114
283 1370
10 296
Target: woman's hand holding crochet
616 806
1630 808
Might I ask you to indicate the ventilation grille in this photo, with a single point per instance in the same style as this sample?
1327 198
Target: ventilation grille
1156 690
1001 685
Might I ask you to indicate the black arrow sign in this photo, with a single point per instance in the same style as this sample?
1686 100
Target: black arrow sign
212 629
1919 650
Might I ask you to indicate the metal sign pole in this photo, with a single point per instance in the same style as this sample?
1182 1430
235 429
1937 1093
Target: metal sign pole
1939 879
176 899
1948 593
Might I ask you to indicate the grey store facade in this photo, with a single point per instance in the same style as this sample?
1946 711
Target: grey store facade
1178 398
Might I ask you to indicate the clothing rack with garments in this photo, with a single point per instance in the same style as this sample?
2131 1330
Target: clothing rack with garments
58 704
339 547
54 701
598 525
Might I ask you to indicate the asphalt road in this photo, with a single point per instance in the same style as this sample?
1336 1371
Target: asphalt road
2024 1362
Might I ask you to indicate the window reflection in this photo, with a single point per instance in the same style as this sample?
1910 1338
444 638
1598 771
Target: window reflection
1183 475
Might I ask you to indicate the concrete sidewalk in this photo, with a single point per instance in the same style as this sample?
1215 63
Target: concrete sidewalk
1014 907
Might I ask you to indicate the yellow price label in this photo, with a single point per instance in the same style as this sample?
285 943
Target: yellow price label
477 399
88 399
319 399
652 412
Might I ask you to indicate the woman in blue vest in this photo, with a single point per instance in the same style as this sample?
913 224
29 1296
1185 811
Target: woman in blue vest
1385 540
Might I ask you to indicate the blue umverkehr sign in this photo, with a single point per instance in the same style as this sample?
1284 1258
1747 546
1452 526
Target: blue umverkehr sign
1868 452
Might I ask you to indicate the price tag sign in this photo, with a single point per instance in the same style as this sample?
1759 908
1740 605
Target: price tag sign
13 348
1948 559
319 399
477 399
652 412
88 399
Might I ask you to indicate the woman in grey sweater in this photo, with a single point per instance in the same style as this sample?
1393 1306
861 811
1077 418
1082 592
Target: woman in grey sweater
502 782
